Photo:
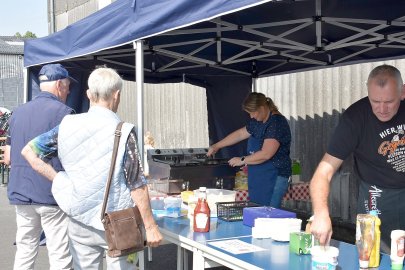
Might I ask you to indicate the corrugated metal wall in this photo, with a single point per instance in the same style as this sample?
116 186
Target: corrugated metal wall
313 102
175 114
11 81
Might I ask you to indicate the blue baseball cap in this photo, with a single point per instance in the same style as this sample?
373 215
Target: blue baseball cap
54 72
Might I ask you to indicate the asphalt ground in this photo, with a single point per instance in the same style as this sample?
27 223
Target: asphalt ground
7 236
163 257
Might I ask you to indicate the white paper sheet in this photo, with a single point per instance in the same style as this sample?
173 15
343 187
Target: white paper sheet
235 246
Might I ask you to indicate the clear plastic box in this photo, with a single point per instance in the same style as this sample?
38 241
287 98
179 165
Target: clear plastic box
217 195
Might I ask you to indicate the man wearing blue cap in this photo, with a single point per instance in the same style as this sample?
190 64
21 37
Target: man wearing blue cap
36 208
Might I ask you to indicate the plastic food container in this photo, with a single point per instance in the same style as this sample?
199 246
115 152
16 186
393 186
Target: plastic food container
172 204
185 195
324 257
217 195
166 206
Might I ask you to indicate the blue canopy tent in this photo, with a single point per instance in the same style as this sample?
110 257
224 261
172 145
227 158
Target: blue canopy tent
222 45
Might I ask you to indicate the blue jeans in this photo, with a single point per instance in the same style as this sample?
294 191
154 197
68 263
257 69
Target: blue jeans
279 191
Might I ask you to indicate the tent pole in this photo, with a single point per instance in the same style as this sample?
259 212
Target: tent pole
26 81
138 46
254 86
51 7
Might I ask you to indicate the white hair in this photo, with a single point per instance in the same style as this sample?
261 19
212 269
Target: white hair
103 82
46 84
50 85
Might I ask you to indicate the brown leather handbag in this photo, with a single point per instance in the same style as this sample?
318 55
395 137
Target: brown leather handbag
123 228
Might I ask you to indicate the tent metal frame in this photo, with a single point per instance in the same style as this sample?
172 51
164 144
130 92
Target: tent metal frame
264 49
278 48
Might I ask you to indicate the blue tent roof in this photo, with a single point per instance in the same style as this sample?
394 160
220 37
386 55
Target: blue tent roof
125 21
228 37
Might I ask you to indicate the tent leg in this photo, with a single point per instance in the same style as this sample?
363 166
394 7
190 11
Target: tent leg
138 46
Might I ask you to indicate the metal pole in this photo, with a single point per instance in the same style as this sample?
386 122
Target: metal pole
138 46
254 82
52 16
26 87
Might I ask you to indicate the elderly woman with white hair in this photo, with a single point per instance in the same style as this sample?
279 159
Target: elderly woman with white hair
84 144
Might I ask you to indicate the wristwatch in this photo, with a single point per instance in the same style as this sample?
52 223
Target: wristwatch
243 160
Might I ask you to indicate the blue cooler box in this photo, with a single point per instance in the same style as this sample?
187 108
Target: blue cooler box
251 213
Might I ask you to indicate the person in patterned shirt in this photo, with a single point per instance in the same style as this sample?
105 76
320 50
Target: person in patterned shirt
83 143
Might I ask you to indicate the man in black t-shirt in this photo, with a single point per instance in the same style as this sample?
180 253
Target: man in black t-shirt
372 129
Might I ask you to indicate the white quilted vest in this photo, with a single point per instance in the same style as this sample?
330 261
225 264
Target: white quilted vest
85 143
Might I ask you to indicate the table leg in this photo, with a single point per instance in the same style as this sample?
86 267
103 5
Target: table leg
198 260
185 259
180 257
149 254
141 260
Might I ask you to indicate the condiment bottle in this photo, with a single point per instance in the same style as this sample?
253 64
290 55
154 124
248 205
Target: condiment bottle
202 212
364 238
375 253
397 249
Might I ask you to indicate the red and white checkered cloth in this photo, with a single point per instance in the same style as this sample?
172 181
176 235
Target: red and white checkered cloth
298 191
241 195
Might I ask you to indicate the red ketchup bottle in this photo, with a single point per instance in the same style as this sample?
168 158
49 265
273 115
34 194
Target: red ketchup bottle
202 212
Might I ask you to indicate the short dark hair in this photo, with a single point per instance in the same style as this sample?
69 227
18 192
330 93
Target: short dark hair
382 73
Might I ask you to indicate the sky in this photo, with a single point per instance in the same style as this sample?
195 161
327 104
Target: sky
22 16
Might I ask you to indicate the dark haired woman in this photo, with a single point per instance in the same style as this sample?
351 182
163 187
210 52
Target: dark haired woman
268 159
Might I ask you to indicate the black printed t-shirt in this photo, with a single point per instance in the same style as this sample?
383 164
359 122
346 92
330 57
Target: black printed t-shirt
378 147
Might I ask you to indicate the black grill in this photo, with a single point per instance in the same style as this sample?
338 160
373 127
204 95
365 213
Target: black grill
192 166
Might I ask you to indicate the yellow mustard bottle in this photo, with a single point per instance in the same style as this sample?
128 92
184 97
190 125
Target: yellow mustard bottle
375 253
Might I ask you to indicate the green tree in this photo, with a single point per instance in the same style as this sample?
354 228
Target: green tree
27 34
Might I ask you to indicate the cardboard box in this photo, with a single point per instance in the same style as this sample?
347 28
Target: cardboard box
251 213
300 242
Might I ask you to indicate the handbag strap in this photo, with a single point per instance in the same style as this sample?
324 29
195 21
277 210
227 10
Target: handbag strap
111 172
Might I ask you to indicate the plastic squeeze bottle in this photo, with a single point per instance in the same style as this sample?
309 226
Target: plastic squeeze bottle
375 253
202 212
397 249
364 238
